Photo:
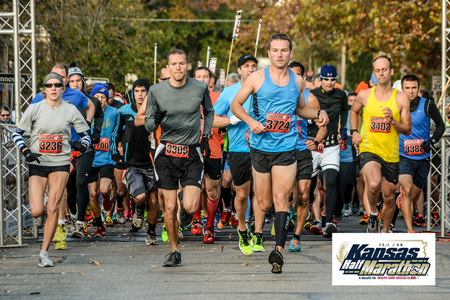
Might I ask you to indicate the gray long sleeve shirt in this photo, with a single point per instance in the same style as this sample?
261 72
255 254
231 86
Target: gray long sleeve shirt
182 122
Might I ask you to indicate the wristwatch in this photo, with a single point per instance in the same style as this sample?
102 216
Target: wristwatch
353 130
207 136
318 112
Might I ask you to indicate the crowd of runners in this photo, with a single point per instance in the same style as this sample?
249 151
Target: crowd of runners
273 145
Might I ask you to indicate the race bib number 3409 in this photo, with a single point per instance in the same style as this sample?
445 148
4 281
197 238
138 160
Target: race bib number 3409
378 124
280 123
50 143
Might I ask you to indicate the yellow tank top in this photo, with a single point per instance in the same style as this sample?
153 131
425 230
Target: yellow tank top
377 135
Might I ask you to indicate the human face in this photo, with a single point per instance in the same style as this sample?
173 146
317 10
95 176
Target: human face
247 68
317 83
328 83
202 75
177 67
297 70
139 94
111 96
212 84
411 89
5 116
382 71
165 74
351 100
62 73
102 98
279 53
308 85
75 82
53 93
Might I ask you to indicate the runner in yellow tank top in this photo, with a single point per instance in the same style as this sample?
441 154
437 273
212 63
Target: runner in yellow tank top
386 115
377 134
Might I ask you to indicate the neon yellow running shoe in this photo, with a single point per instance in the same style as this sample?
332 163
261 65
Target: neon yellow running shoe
164 236
60 233
61 245
258 243
245 243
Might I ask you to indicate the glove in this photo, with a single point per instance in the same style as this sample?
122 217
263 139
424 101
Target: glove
117 157
30 156
204 147
426 146
234 120
95 137
78 146
159 116
344 134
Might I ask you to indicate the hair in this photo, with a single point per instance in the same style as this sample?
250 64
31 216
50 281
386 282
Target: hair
5 108
111 87
177 51
203 68
425 94
294 63
233 77
309 79
89 88
160 71
411 77
60 65
214 76
315 77
280 36
352 94
382 54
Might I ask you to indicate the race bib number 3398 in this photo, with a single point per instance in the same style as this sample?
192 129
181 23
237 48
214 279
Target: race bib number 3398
280 123
50 143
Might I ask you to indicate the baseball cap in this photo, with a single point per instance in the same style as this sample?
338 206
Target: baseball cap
328 71
244 58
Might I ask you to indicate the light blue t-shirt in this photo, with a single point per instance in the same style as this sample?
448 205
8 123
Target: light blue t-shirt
103 149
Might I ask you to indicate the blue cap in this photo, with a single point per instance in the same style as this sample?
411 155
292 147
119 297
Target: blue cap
373 79
100 88
328 71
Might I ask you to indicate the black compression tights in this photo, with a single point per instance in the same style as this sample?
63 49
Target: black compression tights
344 187
330 177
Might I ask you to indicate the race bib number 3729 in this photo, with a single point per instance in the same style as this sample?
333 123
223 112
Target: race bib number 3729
280 123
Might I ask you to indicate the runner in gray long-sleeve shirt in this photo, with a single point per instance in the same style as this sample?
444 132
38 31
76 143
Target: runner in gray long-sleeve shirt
176 105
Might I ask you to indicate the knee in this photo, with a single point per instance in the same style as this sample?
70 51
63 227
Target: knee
105 191
303 199
264 207
373 186
190 207
139 199
212 193
82 181
52 208
170 209
37 212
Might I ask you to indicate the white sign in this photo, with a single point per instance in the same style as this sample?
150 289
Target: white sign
237 24
222 76
212 64
437 84
384 259
199 64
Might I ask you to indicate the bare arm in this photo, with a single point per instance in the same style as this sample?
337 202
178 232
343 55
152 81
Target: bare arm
403 127
306 111
90 111
322 130
354 120
220 121
140 116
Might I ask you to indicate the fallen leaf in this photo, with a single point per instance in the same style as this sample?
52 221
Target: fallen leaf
43 283
81 273
114 251
106 240
222 248
245 264
253 275
230 236
96 262
132 256
256 266
62 273
8 291
154 266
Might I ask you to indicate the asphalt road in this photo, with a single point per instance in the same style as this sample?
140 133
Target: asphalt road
127 268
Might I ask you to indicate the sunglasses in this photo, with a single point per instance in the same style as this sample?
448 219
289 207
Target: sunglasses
5 115
49 85
328 79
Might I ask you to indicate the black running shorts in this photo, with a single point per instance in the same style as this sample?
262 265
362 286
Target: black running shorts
106 171
389 170
44 171
213 167
240 167
120 166
264 161
418 169
304 164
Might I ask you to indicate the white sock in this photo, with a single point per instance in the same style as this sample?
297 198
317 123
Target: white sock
80 222
62 222
74 216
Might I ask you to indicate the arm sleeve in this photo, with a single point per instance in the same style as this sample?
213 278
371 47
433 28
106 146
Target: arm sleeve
85 138
150 110
98 116
83 101
18 139
432 112
344 112
114 133
222 106
208 112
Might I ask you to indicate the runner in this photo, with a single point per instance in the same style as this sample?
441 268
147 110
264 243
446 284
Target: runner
48 155
103 164
385 115
174 105
415 148
277 98
239 157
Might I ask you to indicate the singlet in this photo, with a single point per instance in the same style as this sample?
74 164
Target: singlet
378 136
238 135
346 153
274 107
302 126
50 131
216 138
410 146
103 149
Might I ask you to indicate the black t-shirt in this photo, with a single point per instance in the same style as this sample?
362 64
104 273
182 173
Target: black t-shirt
117 104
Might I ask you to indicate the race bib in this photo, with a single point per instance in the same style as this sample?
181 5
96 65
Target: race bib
280 123
247 136
50 143
343 144
175 150
378 124
320 148
299 133
413 147
103 145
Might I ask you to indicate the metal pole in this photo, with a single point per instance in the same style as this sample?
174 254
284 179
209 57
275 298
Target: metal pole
443 152
2 200
428 197
444 45
207 57
33 49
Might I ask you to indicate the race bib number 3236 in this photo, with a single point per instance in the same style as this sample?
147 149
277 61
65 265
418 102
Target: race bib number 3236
280 123
50 143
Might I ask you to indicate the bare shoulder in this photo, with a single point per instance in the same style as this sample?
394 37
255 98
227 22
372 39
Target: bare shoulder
363 96
255 80
313 102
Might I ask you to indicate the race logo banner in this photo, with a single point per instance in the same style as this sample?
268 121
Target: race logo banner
384 259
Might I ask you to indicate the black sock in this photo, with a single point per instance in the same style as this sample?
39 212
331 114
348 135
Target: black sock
151 227
119 201
296 236
226 196
281 228
141 207
98 221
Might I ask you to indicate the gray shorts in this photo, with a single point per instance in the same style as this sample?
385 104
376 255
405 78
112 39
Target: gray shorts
139 181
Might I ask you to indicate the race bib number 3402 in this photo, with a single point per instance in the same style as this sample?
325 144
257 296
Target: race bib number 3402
378 124
50 143
280 123
175 150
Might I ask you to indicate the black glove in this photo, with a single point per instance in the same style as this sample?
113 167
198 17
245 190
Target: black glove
343 133
30 156
95 137
78 146
117 157
159 116
204 147
426 146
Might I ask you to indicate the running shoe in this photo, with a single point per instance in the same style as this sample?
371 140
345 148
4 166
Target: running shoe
62 245
419 221
412 231
128 216
294 245
276 260
329 230
234 220
151 238
258 243
138 218
364 220
435 217
164 235
249 229
209 236
225 217
78 231
67 219
196 229
146 216
40 221
120 216
185 217
308 224
133 228
399 199
173 260
291 226
347 210
60 233
272 231
108 202
101 232
245 243
391 228
372 225
217 224
180 234
109 221
89 215
44 261
316 227
361 210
